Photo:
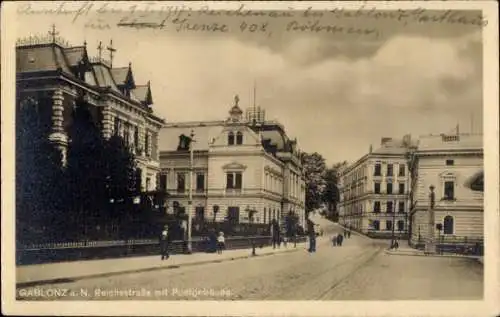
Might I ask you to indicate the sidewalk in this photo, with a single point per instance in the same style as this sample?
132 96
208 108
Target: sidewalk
38 274
405 249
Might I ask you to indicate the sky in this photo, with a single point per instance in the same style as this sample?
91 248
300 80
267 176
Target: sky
336 93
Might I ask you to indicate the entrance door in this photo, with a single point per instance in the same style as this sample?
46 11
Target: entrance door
233 215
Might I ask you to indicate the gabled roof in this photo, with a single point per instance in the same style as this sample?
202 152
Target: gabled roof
143 93
124 76
76 54
104 77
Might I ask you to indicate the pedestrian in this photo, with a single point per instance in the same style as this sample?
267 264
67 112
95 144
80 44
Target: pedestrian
396 245
349 234
340 239
221 242
312 236
285 240
275 231
164 243
334 241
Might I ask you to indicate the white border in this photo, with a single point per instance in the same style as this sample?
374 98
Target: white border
487 307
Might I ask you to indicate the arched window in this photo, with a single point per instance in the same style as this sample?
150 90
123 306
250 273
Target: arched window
239 138
230 138
448 225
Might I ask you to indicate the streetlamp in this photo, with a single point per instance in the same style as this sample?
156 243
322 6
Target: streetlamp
429 247
190 200
393 223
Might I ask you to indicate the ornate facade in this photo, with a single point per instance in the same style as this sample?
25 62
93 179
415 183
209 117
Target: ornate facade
53 75
453 165
245 169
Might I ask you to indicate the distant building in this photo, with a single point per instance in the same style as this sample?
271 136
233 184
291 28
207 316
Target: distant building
374 190
453 164
245 169
53 75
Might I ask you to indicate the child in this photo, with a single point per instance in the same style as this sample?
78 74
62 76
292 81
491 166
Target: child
220 242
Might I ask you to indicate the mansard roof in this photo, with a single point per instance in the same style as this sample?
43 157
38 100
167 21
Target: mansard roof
43 54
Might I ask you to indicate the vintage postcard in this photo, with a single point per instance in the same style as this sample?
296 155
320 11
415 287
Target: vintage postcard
250 158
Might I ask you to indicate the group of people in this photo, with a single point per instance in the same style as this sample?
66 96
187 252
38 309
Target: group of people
219 242
338 239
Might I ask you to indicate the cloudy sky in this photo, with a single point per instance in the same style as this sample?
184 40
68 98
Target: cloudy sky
337 93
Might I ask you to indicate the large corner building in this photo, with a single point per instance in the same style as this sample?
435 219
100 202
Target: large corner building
53 75
246 169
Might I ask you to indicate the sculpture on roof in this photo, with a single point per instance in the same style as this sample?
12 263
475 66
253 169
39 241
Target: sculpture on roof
236 100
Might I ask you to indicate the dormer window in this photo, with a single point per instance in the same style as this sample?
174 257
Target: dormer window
239 138
230 138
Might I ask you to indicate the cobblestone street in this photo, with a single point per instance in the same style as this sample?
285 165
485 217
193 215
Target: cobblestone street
359 270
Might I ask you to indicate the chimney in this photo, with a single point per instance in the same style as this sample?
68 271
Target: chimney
371 148
385 140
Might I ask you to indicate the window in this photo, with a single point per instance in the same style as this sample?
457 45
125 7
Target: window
234 180
265 214
378 170
136 137
181 182
163 181
388 225
402 168
230 138
146 144
401 188
376 225
376 207
200 213
448 225
389 188
377 188
200 182
389 207
449 190
401 206
450 162
238 181
239 138
148 183
401 225
117 126
389 170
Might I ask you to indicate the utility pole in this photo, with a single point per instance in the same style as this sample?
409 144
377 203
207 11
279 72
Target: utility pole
190 201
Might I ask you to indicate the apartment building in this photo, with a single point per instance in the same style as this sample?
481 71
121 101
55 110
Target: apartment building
374 191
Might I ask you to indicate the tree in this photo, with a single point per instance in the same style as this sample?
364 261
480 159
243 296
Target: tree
314 170
331 195
39 178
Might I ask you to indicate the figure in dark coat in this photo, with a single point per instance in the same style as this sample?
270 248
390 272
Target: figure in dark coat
340 239
275 232
164 243
312 236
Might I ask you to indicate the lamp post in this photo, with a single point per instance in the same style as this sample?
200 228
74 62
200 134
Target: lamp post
190 200
429 246
393 223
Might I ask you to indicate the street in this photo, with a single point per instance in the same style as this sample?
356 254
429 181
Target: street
359 270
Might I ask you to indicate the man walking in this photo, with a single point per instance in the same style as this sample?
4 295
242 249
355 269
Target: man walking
164 243
312 236
275 231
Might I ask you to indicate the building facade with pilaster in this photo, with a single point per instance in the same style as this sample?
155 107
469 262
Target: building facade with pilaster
245 169
53 76
453 165
374 191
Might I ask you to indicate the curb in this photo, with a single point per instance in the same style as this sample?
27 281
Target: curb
433 255
148 269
